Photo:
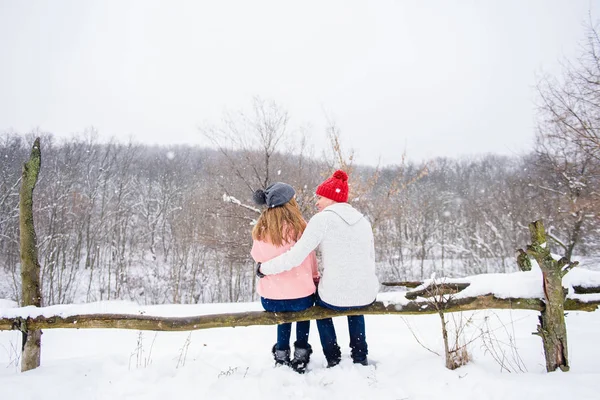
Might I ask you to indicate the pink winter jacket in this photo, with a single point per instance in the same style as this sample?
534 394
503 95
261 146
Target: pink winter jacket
296 283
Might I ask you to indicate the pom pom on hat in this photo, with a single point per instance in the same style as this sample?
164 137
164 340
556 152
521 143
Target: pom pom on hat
274 195
259 197
335 188
339 174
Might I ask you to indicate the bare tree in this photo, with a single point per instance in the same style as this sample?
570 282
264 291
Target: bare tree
250 141
568 142
570 107
12 151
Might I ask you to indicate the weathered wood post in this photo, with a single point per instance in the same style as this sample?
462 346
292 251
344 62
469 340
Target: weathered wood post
30 267
552 328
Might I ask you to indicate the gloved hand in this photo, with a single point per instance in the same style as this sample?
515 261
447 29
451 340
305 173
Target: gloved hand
258 273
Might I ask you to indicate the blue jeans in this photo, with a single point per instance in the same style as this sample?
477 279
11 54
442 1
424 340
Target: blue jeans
284 331
356 328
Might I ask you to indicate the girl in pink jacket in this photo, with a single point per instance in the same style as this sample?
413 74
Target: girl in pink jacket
279 226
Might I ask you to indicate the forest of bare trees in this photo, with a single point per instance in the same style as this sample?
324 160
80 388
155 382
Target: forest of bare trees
151 224
163 224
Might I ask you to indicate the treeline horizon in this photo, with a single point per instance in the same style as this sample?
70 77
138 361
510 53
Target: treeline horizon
153 223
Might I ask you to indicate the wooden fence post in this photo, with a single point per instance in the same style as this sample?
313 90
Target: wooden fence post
552 328
30 267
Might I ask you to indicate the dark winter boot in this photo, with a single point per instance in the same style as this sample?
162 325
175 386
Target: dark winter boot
334 357
359 355
301 358
363 361
282 357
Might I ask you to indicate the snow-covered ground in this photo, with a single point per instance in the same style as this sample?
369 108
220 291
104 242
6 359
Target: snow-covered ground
507 361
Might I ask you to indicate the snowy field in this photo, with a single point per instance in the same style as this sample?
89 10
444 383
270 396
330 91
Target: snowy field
507 361
235 363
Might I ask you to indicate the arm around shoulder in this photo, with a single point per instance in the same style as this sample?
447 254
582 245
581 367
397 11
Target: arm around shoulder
312 236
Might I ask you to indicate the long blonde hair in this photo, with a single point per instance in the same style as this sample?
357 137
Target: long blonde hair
280 225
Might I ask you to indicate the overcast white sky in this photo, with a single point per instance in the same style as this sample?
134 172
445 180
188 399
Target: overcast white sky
430 77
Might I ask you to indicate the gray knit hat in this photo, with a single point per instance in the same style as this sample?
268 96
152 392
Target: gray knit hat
275 195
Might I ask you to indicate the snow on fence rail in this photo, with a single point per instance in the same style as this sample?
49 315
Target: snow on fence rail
519 291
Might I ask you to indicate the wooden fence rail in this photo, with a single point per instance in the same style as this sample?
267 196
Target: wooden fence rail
157 323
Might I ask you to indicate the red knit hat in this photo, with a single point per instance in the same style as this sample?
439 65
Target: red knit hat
335 188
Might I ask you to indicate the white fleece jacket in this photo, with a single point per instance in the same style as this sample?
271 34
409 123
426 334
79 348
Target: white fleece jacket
348 256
